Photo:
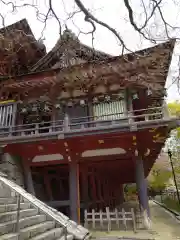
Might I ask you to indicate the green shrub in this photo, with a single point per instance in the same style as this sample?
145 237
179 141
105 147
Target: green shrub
172 204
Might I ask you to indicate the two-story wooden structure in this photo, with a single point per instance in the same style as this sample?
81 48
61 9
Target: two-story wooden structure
84 123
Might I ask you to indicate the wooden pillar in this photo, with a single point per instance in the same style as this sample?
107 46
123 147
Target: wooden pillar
141 183
74 191
106 194
99 193
47 182
85 187
93 187
121 194
28 178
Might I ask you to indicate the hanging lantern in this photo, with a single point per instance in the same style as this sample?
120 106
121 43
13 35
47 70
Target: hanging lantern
57 105
107 98
70 104
34 108
82 102
135 96
85 90
164 92
24 110
95 100
101 97
149 92
46 108
120 96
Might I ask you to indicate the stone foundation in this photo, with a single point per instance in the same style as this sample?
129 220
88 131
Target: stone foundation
11 166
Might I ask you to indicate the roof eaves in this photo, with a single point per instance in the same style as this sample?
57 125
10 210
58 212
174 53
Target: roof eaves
20 25
58 46
117 60
47 57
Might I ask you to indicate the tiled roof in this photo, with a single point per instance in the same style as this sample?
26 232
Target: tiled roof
68 48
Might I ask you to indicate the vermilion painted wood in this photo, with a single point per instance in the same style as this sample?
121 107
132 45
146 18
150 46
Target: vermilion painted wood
120 168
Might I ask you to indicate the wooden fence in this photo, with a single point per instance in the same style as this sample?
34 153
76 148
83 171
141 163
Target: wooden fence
110 220
171 194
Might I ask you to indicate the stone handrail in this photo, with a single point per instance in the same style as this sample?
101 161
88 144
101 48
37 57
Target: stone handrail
76 230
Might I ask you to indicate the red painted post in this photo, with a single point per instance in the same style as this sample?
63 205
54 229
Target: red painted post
47 185
93 190
84 185
99 193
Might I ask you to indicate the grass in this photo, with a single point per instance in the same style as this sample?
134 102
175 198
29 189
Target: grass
172 204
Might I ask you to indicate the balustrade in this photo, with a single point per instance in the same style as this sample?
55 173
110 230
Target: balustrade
85 123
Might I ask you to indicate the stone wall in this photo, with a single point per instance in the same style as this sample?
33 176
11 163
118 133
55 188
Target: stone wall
5 191
11 166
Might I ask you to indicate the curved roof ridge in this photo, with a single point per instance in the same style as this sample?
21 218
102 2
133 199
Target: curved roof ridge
68 36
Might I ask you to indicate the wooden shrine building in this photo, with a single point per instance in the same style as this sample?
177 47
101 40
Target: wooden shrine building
82 122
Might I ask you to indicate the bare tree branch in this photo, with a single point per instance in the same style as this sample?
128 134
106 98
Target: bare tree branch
148 29
91 19
151 15
131 18
55 15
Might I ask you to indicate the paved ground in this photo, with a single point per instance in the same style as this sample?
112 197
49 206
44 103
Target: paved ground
164 227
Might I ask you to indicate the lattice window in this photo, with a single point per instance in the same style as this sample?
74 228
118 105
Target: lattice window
110 110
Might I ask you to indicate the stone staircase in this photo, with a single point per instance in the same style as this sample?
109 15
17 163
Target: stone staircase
23 217
32 224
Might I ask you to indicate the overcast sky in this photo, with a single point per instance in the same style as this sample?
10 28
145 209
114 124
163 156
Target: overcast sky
112 12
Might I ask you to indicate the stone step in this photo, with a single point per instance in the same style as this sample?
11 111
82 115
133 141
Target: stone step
10 216
34 230
13 207
7 200
7 227
49 235
10 236
69 237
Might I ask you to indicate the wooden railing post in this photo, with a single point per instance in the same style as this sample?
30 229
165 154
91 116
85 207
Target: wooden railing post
132 123
10 130
36 128
66 123
146 117
165 111
82 126
130 117
18 214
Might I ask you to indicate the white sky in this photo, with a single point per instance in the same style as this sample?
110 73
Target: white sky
112 12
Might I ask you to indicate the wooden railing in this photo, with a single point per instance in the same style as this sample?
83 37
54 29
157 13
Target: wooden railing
109 220
130 118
